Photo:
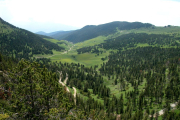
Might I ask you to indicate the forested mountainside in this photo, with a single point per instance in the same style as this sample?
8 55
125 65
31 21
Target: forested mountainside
22 43
133 40
92 31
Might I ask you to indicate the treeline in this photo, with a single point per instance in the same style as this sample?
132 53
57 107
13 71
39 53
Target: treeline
131 40
91 49
138 59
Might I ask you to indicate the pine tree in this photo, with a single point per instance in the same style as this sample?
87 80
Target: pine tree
36 91
115 82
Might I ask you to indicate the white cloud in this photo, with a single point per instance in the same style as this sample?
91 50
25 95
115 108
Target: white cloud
86 12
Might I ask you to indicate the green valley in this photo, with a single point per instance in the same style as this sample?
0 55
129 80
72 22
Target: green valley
118 70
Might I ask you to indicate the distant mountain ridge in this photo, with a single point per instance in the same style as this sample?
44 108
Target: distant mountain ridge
41 33
91 31
49 34
55 35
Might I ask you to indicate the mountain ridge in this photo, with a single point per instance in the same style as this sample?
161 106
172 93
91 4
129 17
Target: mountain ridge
92 31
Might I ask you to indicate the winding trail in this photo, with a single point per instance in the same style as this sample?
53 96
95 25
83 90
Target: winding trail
74 94
68 50
65 81
60 73
66 88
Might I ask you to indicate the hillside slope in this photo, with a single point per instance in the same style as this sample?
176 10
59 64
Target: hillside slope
92 31
23 43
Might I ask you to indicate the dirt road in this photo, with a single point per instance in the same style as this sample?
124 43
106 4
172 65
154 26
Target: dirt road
67 89
64 84
65 81
74 95
68 50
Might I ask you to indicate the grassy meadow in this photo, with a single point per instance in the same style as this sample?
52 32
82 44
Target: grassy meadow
70 54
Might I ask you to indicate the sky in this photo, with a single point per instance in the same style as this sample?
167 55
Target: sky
56 15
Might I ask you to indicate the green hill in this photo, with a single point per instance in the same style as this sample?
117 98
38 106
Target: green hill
92 31
22 43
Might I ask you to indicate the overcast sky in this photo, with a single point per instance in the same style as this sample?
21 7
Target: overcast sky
54 15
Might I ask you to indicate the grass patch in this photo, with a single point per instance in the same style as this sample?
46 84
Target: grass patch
91 42
87 59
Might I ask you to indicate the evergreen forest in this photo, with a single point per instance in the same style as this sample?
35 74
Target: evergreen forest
113 71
